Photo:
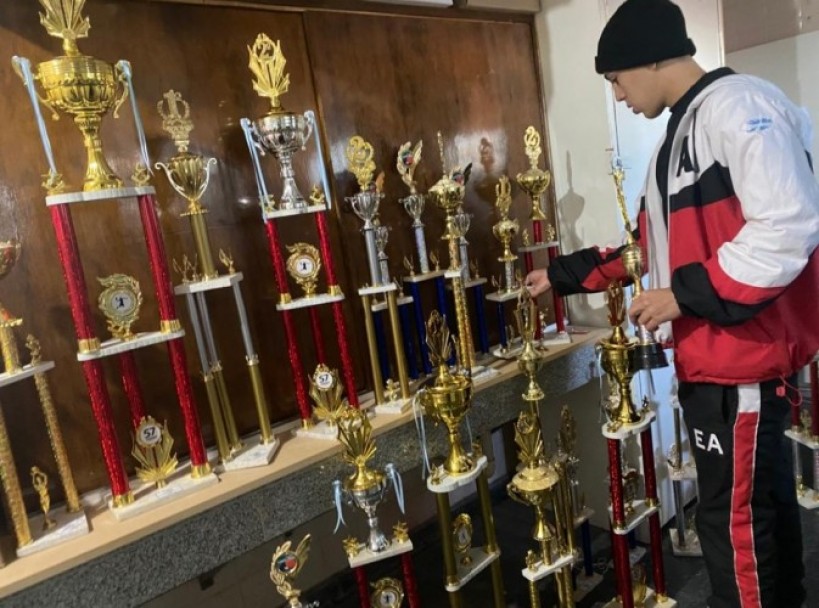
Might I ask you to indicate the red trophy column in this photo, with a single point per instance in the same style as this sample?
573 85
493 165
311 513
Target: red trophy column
168 323
410 583
92 370
130 383
557 301
655 533
620 541
363 589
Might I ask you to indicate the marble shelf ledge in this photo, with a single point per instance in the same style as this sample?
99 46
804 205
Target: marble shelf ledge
141 340
27 371
276 214
66 198
220 282
133 561
628 430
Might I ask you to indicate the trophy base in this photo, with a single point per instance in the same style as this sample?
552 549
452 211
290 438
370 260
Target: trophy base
254 453
585 584
398 406
555 338
482 373
148 497
424 276
446 483
651 601
512 350
809 499
220 282
640 511
688 471
692 546
399 301
805 439
115 346
320 430
478 560
68 526
365 556
542 571
503 296
316 300
26 371
648 356
107 194
537 247
273 214
628 429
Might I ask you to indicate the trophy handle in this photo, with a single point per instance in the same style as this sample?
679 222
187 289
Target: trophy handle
24 73
309 125
338 493
122 80
513 494
397 483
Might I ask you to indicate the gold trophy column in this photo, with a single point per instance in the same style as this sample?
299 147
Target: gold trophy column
372 349
450 563
398 344
491 539
11 486
219 432
259 398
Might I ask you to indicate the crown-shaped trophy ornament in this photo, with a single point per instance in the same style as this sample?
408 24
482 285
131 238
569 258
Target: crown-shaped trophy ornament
648 354
365 488
279 132
188 174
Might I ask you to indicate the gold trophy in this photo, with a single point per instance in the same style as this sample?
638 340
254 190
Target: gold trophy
152 450
39 481
326 391
530 359
79 85
304 265
540 484
120 302
505 230
535 181
449 397
286 566
617 357
188 174
648 354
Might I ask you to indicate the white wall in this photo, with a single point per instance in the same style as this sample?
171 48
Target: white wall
791 65
584 122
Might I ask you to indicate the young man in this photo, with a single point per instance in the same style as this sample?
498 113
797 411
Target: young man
729 224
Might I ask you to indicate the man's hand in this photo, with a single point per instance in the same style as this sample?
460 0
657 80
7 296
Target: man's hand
654 306
537 282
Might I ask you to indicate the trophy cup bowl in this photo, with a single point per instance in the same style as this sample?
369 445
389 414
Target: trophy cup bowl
648 354
529 363
283 133
188 174
618 362
447 195
449 402
366 489
365 205
86 88
9 253
505 230
414 206
532 486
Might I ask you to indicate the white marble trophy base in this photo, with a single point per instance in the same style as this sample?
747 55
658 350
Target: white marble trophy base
482 373
651 601
537 247
687 471
305 302
116 346
625 431
320 430
479 560
641 512
692 546
252 454
98 195
542 571
272 214
69 525
809 499
218 282
585 514
508 353
449 483
583 585
382 305
398 406
503 296
26 371
366 556
804 438
148 497
555 338
425 276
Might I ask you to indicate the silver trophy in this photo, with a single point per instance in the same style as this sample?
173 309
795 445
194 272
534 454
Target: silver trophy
365 488
365 203
279 132
408 158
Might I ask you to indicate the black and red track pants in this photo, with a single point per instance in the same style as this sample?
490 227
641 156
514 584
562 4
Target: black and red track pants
748 518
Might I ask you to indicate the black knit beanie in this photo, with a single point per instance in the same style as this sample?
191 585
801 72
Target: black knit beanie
642 32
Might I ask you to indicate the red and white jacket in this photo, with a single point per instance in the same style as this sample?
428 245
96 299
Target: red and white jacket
732 226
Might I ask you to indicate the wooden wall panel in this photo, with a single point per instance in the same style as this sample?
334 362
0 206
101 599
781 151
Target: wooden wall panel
387 78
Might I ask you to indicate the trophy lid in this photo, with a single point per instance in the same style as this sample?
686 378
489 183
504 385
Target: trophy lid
267 62
63 19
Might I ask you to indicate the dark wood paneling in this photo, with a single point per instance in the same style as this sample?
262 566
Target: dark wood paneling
388 78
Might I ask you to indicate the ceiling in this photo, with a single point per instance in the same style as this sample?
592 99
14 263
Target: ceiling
750 23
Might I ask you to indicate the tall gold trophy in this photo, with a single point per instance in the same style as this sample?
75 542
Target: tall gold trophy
648 354
448 399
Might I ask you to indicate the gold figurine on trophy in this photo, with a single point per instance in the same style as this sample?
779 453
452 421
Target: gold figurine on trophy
285 566
39 481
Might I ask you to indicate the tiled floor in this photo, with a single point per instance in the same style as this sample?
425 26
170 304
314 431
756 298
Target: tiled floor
686 577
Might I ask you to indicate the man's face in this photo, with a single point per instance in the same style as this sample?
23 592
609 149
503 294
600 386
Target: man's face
639 88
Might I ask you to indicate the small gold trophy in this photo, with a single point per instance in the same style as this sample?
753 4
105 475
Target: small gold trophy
286 566
617 361
82 86
530 359
188 174
388 593
120 302
304 265
39 481
534 181
505 230
462 537
449 398
153 447
326 391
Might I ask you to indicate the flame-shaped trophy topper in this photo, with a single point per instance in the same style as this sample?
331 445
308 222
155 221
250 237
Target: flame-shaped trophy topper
326 391
267 62
355 435
63 19
407 162
360 160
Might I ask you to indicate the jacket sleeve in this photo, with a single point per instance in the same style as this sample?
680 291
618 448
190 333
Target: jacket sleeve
757 138
592 269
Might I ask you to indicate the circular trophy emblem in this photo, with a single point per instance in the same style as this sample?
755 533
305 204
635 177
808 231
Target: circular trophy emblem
149 433
389 593
325 380
287 563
